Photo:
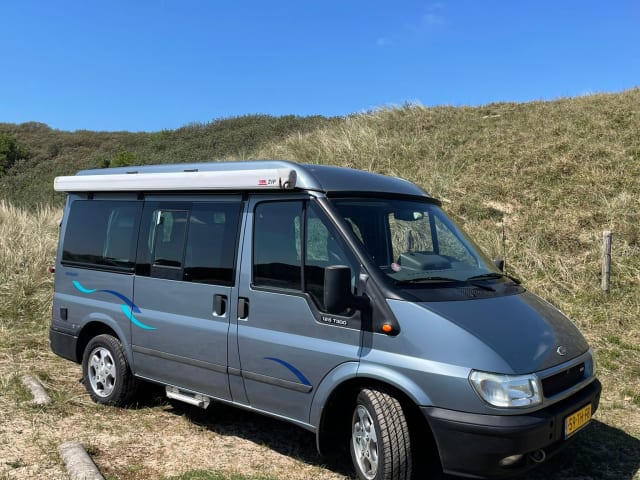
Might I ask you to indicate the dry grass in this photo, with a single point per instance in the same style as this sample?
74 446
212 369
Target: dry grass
151 440
556 173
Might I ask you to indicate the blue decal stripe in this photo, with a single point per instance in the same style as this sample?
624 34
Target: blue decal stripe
123 298
291 368
128 309
134 320
81 288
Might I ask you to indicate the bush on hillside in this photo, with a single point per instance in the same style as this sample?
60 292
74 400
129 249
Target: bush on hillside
10 152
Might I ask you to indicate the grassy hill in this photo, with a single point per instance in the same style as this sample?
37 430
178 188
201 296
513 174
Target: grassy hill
551 175
53 152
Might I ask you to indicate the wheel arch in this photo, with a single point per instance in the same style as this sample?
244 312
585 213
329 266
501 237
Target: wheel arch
333 412
97 327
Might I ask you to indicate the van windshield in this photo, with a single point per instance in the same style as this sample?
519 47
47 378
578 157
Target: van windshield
414 242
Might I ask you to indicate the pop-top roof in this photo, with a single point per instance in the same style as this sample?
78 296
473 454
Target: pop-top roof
234 176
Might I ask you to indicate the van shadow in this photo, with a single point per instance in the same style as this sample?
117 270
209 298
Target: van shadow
280 436
599 452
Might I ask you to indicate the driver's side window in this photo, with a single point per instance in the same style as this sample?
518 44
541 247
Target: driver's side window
282 248
323 247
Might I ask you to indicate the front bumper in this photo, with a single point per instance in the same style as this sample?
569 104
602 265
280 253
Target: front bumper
472 445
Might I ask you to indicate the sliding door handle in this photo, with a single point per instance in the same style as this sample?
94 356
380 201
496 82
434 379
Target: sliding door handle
219 305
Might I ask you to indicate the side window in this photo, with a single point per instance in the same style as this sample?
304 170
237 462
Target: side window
166 237
102 234
276 245
191 242
211 243
279 239
323 247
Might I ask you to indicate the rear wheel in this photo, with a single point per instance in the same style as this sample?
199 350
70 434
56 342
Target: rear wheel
380 442
106 373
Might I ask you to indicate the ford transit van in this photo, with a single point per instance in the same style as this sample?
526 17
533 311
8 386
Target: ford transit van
342 301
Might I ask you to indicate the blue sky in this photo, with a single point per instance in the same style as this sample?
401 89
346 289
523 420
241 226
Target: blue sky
144 65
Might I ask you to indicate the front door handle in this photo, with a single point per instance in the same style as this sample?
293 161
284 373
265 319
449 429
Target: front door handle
243 308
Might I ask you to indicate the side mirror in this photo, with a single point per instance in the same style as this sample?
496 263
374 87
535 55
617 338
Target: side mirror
337 290
499 263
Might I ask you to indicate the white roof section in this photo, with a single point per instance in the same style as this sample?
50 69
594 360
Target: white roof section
262 179
237 176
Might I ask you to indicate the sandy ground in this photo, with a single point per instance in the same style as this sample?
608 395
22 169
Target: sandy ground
153 440
157 439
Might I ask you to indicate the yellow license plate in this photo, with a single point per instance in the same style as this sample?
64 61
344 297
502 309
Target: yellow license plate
576 421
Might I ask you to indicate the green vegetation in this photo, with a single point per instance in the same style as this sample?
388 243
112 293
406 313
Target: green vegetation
10 152
553 175
29 178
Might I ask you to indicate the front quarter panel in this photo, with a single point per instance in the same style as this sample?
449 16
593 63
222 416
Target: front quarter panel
342 373
430 359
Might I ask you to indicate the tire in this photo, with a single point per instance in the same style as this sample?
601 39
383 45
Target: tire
105 372
380 444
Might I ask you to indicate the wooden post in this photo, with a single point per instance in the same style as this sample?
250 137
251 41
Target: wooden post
606 259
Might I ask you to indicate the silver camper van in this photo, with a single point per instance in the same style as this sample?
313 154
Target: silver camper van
342 301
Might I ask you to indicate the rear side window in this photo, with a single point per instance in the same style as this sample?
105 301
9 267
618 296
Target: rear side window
166 239
211 243
102 234
191 242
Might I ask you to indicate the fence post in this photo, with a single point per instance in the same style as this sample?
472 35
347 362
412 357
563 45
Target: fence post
606 259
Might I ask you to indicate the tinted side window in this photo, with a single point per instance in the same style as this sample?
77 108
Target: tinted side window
323 248
167 237
277 246
102 234
191 242
282 230
211 243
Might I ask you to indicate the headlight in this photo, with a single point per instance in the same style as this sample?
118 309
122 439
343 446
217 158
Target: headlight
507 390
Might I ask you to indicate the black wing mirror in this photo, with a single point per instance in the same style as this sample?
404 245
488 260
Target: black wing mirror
337 290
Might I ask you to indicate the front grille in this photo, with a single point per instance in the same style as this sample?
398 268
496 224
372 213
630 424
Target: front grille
563 381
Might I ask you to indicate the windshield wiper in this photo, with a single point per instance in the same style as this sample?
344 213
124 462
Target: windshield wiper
494 275
428 279
444 279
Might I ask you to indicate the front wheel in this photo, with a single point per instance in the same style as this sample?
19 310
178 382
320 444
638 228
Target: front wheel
380 443
106 373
